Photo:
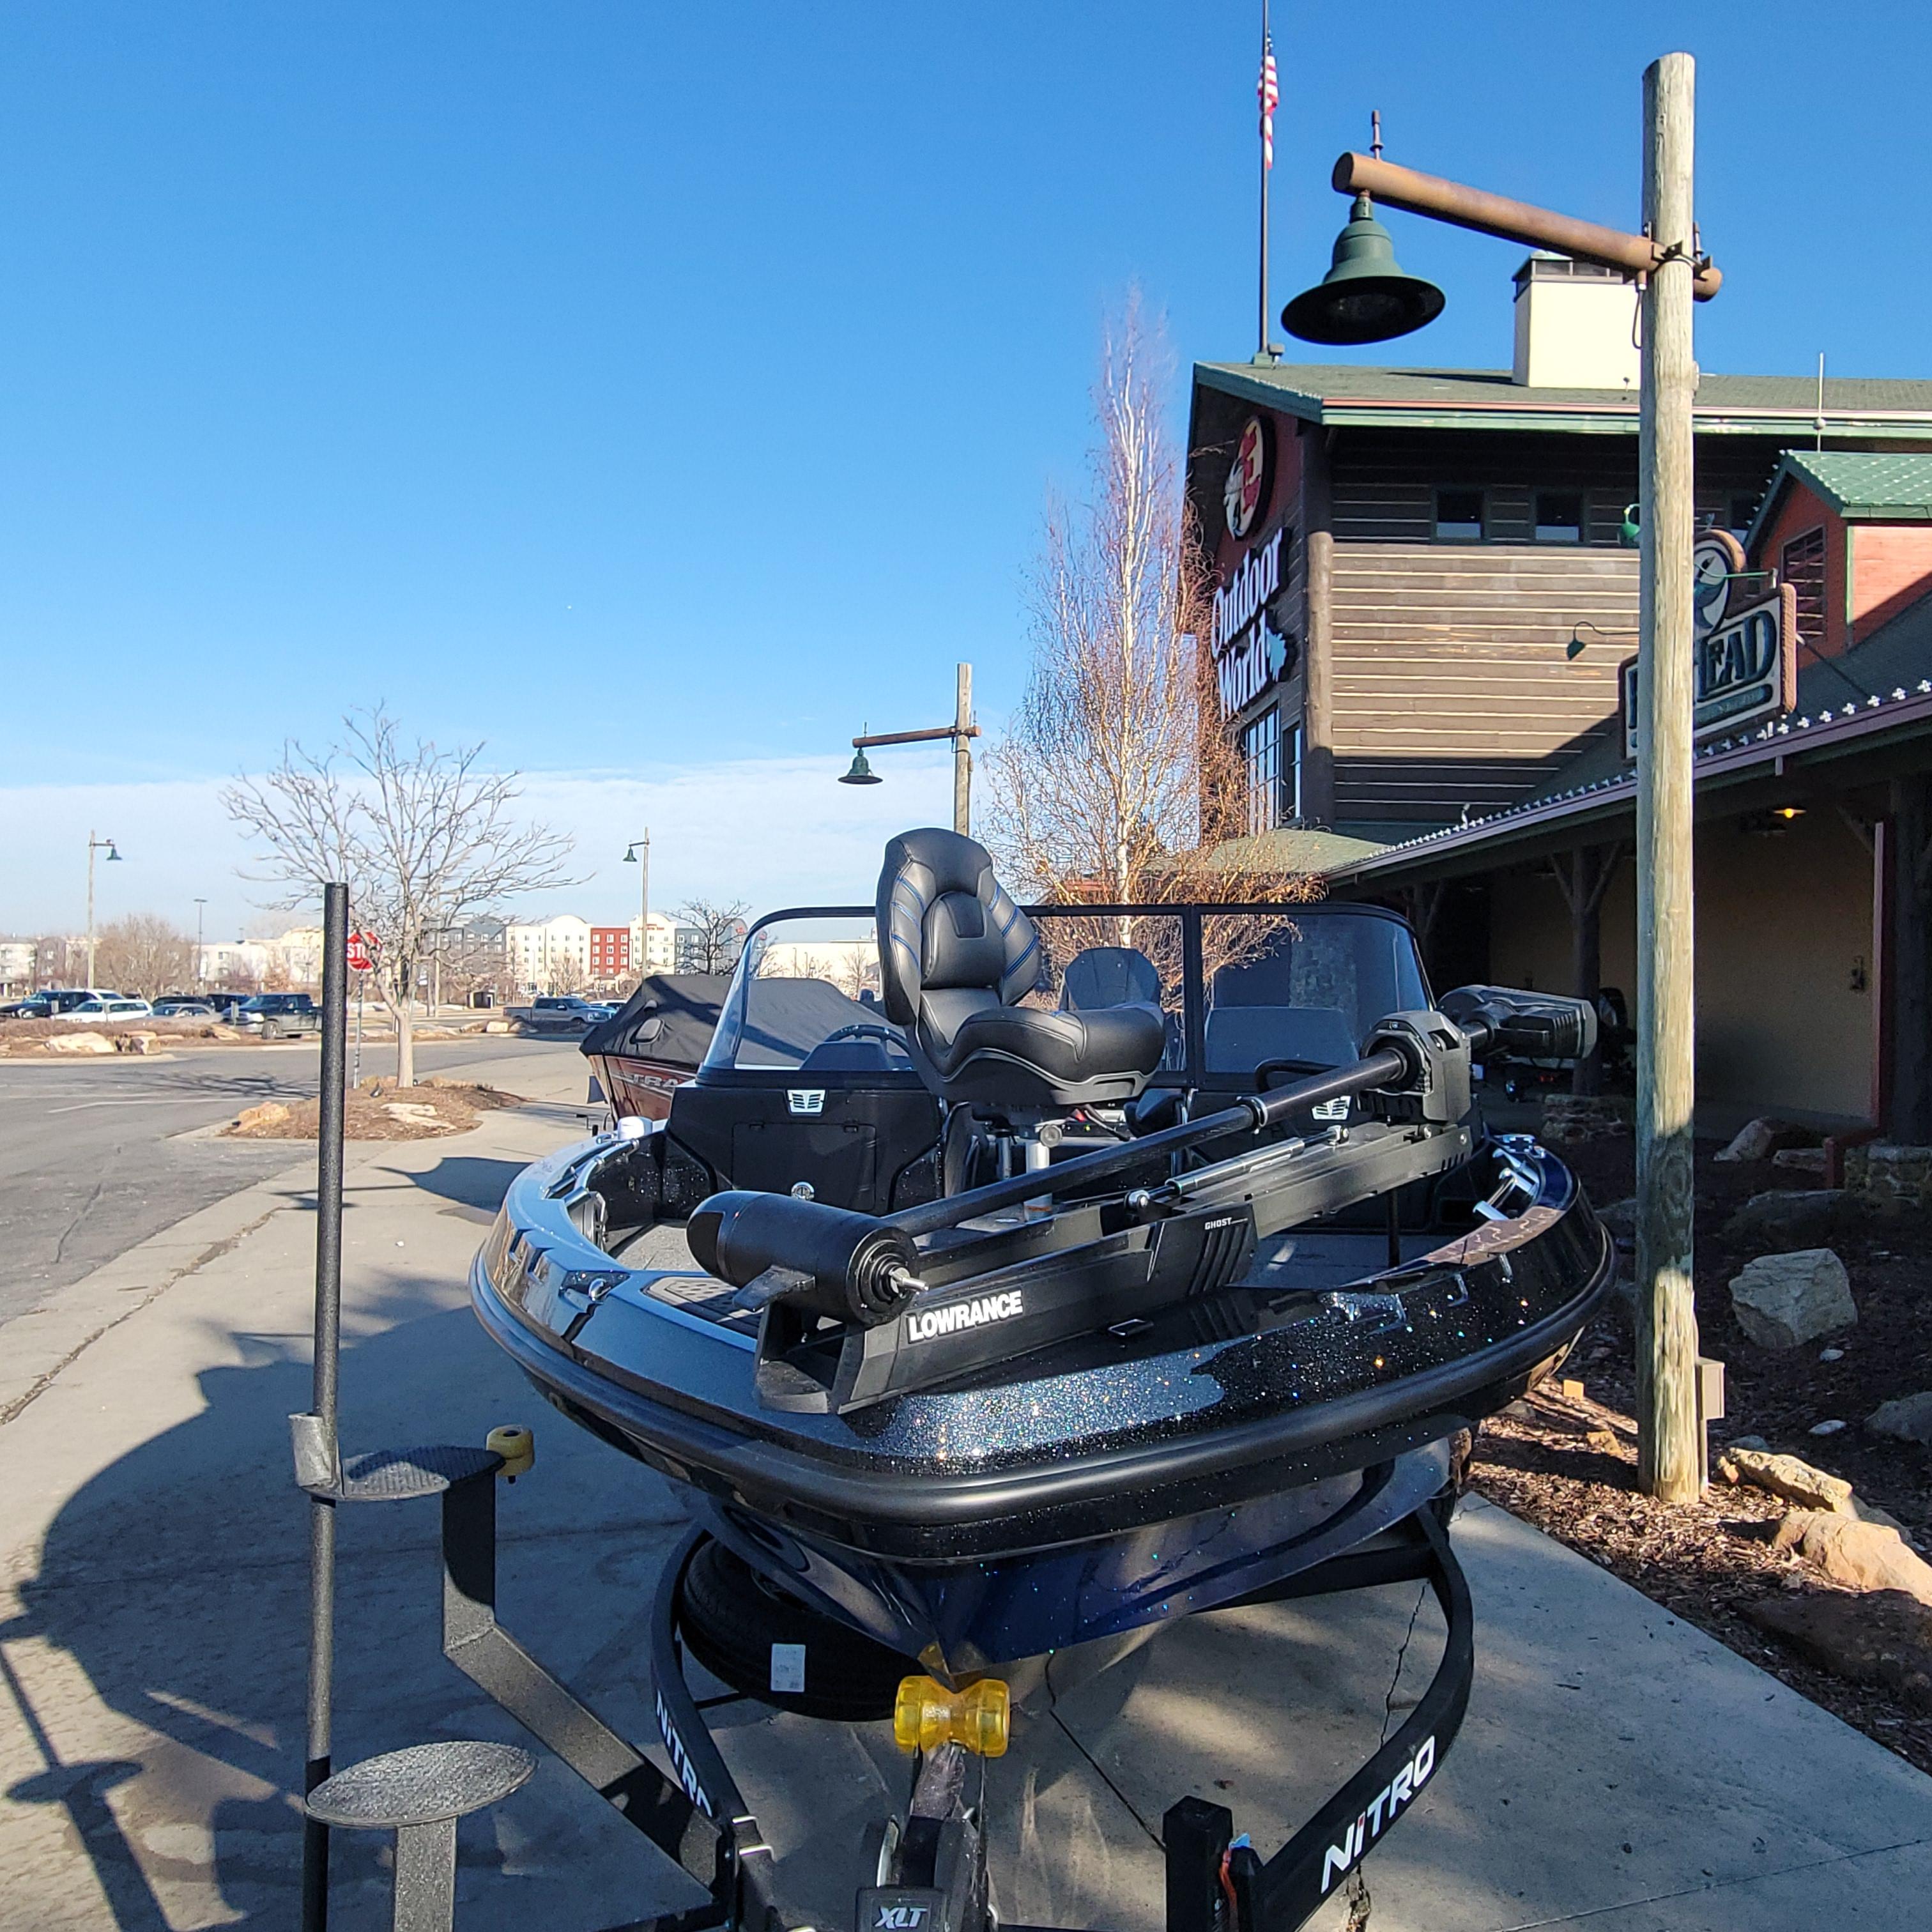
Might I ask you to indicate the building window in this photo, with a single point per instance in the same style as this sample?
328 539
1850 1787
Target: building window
1459 516
1802 566
1261 754
1559 516
1291 775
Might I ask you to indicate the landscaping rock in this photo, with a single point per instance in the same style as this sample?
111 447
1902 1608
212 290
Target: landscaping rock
1760 1139
1801 1160
135 1042
1784 1218
1787 1476
269 1114
1884 1637
1890 1176
1782 1301
1866 1555
78 1042
1620 1218
1568 1118
1907 1419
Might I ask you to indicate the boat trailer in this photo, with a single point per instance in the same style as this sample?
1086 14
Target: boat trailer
929 1870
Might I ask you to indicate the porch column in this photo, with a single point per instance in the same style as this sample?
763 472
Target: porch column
1584 876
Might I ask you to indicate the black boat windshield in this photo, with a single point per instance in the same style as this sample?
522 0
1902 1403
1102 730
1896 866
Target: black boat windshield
1306 989
805 998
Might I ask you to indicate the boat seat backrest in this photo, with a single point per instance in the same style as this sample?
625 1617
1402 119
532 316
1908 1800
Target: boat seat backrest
957 958
946 922
1109 976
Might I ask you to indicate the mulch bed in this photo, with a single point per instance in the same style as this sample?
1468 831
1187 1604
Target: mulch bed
378 1110
1541 1461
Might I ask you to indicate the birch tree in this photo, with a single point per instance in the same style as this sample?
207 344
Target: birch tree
1115 780
426 838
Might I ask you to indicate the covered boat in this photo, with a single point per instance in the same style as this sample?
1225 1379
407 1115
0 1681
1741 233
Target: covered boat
656 1042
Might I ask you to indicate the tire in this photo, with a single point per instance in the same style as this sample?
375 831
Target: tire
733 1616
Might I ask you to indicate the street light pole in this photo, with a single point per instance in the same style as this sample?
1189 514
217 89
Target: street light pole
1365 297
94 845
200 972
1667 1352
961 731
962 755
643 865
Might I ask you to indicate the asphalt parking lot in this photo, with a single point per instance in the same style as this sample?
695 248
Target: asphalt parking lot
97 1155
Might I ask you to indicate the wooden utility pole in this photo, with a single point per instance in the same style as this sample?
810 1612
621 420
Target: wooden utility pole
1667 1350
962 755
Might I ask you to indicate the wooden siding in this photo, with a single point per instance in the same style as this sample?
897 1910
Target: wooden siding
1452 687
1385 484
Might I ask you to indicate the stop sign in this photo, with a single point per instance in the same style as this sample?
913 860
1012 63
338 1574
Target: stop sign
362 951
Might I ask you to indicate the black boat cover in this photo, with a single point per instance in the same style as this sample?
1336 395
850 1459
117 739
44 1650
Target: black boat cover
670 1019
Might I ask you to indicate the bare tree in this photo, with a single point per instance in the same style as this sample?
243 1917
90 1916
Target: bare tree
425 837
145 955
719 933
1116 780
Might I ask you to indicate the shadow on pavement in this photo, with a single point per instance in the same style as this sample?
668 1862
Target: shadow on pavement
472 1181
177 1581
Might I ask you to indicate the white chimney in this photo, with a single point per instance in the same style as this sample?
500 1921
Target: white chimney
1576 326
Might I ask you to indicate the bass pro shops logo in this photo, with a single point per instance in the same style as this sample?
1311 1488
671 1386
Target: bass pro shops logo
1340 1860
927 1322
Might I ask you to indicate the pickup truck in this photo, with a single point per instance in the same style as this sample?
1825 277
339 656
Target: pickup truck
278 1015
559 1011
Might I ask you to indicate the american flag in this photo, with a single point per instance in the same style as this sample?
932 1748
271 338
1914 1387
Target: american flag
1269 91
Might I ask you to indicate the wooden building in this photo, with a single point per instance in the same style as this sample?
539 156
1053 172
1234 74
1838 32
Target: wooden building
1428 545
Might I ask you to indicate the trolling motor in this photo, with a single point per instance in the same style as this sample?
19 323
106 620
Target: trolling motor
809 1259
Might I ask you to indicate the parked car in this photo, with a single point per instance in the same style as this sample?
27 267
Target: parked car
183 1006
278 1015
226 1005
115 1008
48 1004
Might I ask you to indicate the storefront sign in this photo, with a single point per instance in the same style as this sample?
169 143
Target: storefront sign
1243 672
1256 579
1242 665
1244 496
1747 667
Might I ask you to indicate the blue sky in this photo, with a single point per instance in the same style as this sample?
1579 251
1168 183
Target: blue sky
661 393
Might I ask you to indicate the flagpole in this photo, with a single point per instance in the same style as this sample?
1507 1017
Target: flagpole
1261 325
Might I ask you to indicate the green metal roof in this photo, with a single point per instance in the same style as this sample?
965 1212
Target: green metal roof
1780 406
1292 849
1894 487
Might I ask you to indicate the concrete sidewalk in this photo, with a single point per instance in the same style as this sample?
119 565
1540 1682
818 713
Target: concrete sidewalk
1616 1765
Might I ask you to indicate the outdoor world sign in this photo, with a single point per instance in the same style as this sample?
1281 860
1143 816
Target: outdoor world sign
1746 656
1241 644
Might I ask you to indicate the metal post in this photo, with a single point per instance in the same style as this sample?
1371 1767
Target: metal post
644 907
962 755
1667 1353
200 973
90 908
1262 319
327 1338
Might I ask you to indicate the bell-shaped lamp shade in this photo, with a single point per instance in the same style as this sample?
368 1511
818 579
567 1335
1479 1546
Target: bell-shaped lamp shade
113 855
861 773
1365 297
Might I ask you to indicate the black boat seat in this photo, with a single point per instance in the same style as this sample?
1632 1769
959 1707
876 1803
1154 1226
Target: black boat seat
956 958
1109 976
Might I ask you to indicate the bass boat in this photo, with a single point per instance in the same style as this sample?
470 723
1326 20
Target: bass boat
1008 1283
